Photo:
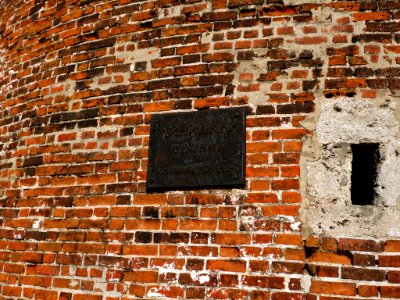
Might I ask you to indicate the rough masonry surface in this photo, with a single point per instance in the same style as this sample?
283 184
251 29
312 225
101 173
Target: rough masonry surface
79 83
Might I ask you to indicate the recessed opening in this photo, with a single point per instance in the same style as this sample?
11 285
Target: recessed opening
364 172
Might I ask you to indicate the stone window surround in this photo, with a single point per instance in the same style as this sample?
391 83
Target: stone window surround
327 162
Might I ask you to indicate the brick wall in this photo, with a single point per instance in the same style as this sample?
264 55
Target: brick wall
79 82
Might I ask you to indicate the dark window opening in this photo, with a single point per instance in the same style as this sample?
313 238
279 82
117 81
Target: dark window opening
364 172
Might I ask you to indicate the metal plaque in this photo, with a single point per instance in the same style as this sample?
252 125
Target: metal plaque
193 150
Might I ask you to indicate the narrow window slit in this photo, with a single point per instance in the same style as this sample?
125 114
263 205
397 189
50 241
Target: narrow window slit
364 172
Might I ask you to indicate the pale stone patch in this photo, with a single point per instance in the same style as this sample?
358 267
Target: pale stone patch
36 224
305 283
201 277
327 167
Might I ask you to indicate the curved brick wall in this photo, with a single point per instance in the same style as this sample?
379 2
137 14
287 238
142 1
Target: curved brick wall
79 82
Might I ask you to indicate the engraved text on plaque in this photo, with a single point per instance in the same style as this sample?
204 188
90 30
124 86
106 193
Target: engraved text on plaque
194 150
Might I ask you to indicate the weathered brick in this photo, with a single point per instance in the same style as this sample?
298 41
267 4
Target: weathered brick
360 245
224 265
329 257
219 16
367 291
78 88
333 288
162 84
363 274
371 16
389 292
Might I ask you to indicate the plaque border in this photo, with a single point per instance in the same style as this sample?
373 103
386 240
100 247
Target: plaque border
241 182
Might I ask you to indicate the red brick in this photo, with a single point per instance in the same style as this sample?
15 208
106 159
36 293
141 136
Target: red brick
232 239
151 199
141 276
290 171
288 133
224 265
325 271
142 224
360 245
192 49
357 60
203 199
285 184
262 172
392 292
285 30
367 291
243 45
329 257
369 93
226 293
198 225
278 11
252 87
393 277
329 244
299 74
345 6
392 246
166 291
338 60
389 261
288 267
263 147
333 288
258 266
261 198
371 16
235 3
308 40
281 210
289 239
12 291
286 296
67 137
263 281
259 295
291 197
371 49
189 70
363 274
309 29
260 135
293 85
345 83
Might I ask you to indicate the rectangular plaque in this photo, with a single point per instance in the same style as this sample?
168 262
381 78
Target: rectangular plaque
193 150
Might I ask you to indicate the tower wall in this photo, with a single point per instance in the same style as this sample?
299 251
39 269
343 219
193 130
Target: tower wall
79 84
